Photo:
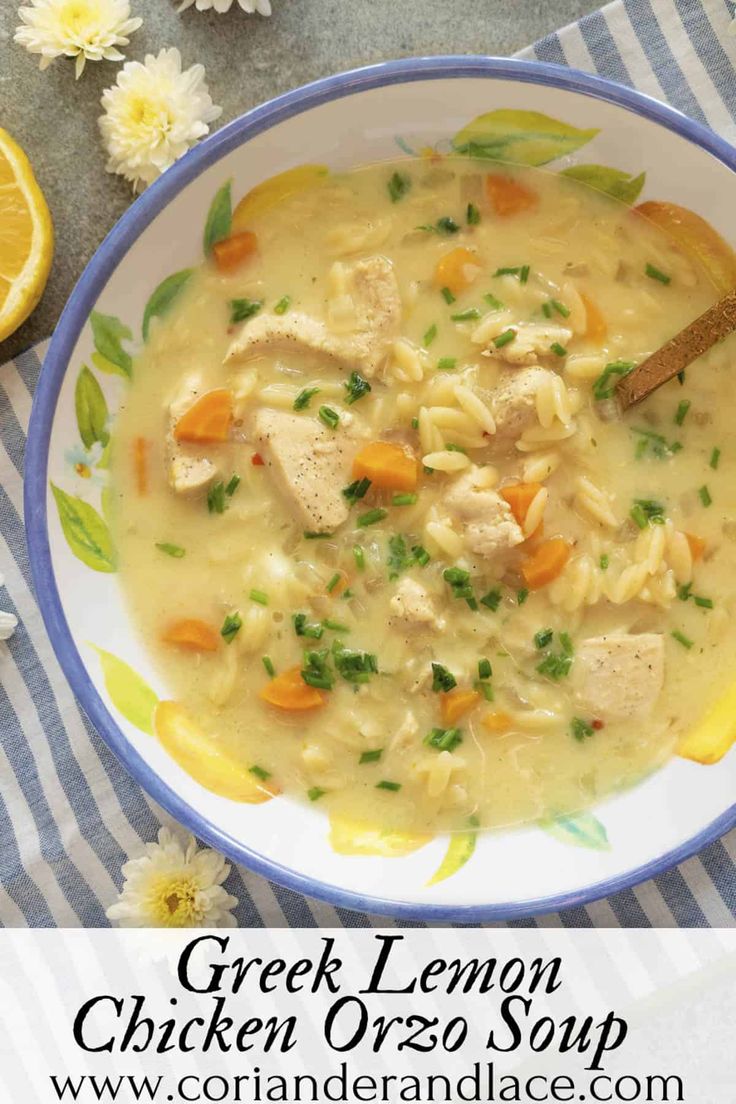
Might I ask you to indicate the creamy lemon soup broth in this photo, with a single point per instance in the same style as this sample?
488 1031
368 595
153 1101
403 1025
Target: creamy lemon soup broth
380 524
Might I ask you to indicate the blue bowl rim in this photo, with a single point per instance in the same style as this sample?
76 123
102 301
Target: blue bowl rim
83 298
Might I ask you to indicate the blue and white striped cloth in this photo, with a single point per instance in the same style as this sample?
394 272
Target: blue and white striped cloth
69 814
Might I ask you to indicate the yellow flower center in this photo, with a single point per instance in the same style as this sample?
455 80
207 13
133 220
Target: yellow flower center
83 470
173 903
150 114
77 15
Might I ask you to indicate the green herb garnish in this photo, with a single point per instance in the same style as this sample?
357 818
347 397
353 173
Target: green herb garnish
240 309
442 679
259 772
472 215
704 495
315 793
398 185
604 561
356 387
216 498
316 671
558 350
444 739
303 399
420 554
603 388
268 664
492 301
357 489
372 517
556 665
682 639
681 413
359 557
521 596
560 308
484 668
303 628
580 729
492 599
371 756
232 485
429 336
446 364
393 787
283 305
231 626
504 339
715 457
328 417
354 665
173 550
459 581
657 274
646 511
468 315
654 443
447 295
543 638
259 596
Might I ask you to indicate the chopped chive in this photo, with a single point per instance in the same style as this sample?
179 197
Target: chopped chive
459 582
372 517
656 274
268 664
681 377
334 581
347 593
421 555
682 639
303 628
447 225
216 498
715 457
492 599
354 665
604 561
259 772
558 350
524 274
704 603
442 679
504 339
472 215
546 310
560 308
398 557
447 295
483 687
492 301
415 423
357 489
328 417
231 626
468 315
336 626
446 364
654 443
543 638
174 550
580 729
507 271
398 185
704 494
232 485
683 592
682 409
429 336
484 668
259 596
450 447
522 595
407 498
603 388
316 671
240 309
444 739
283 305
393 787
359 557
315 536
315 793
371 756
303 399
645 511
356 387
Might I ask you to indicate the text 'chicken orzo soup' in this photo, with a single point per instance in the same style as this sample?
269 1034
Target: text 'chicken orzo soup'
394 550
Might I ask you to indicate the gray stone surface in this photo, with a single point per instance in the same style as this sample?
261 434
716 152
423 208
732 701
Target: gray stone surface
248 60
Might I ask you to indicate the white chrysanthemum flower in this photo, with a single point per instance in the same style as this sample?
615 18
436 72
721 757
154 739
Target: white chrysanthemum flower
8 621
175 885
89 30
263 7
153 114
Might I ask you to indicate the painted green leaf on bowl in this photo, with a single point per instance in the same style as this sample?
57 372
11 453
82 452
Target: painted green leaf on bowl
620 185
582 830
522 137
109 333
129 693
163 297
459 850
86 533
219 217
91 409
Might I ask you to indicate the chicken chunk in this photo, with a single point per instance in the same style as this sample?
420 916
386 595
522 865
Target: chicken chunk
412 603
621 675
187 471
310 463
372 286
489 527
513 403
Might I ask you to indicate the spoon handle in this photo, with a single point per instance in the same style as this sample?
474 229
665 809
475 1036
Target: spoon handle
685 347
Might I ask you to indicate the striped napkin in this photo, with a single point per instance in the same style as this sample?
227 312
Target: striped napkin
70 816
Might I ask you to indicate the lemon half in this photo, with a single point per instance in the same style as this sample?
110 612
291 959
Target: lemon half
26 237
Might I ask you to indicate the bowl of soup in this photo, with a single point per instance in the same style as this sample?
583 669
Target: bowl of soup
339 534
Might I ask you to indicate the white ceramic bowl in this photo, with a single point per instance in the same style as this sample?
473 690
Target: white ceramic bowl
367 115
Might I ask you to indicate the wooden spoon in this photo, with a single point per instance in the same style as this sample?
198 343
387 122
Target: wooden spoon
685 347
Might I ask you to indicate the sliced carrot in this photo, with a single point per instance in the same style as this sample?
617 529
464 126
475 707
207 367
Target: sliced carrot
192 635
497 722
545 563
697 237
596 327
697 546
289 691
456 703
508 196
230 253
341 585
140 464
520 497
387 465
457 270
208 420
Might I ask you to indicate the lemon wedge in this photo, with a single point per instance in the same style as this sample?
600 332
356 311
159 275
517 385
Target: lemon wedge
26 237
